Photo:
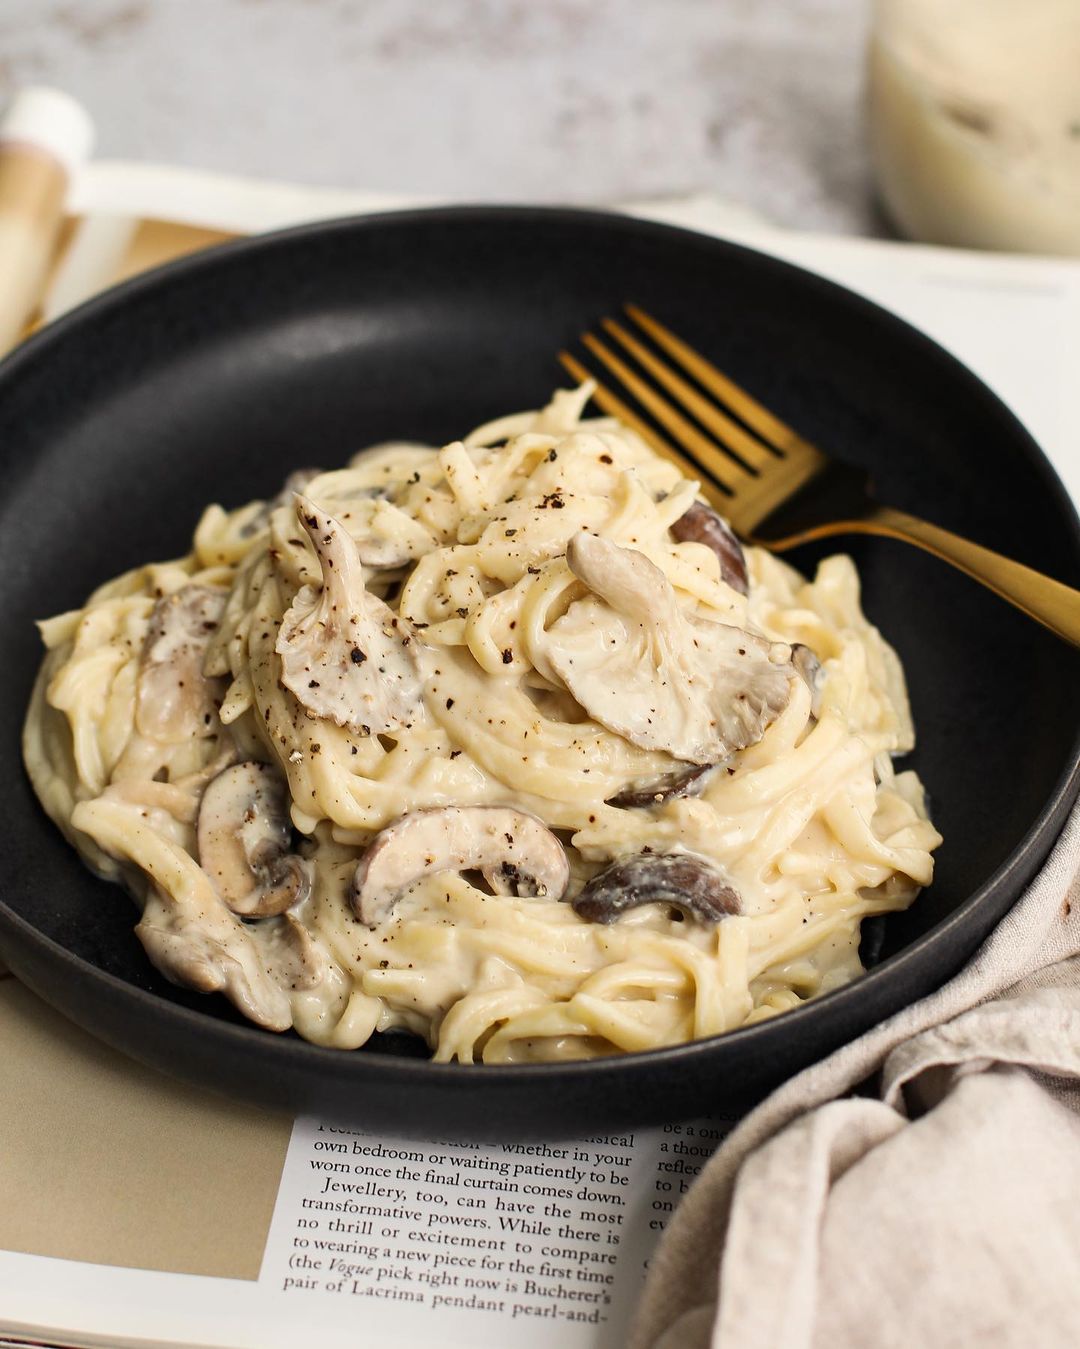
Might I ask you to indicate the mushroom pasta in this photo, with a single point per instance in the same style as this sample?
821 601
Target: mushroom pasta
509 744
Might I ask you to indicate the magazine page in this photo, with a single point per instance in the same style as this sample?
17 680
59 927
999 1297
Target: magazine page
523 1243
173 1217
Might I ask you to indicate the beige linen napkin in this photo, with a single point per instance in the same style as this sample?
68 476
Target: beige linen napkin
942 1211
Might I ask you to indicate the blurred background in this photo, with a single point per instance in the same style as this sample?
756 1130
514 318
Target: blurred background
758 101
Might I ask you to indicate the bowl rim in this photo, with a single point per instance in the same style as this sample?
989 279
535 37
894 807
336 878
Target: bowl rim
991 896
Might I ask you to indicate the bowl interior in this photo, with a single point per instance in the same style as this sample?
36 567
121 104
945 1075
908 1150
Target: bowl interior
213 380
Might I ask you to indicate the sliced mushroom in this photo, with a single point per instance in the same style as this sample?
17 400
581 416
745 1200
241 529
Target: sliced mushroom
187 929
662 679
688 782
174 700
689 883
509 845
244 837
212 953
701 524
344 653
294 958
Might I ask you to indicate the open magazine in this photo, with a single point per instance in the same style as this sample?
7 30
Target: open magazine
136 1211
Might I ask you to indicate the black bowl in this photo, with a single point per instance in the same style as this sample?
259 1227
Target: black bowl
212 378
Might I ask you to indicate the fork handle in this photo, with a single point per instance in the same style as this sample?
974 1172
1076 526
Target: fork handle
1050 602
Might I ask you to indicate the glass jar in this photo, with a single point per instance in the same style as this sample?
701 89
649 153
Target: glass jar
974 117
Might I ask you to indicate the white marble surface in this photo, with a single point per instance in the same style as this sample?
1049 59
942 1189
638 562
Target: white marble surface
548 100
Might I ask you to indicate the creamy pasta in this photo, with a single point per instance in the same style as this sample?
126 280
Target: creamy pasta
508 744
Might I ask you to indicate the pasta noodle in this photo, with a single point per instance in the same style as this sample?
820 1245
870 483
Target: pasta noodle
433 631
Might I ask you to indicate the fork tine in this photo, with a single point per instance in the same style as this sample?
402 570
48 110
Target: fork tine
717 492
751 451
723 468
765 423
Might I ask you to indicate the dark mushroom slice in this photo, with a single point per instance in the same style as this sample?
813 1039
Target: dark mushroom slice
688 883
508 846
808 667
244 841
687 782
701 524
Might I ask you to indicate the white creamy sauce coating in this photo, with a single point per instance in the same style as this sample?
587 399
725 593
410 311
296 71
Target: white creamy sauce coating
488 684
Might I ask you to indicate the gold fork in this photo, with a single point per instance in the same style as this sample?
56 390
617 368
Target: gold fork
756 478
